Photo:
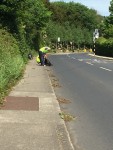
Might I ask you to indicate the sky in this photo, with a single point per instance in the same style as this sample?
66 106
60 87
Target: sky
102 6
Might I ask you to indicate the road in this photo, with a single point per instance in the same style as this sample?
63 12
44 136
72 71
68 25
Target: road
88 83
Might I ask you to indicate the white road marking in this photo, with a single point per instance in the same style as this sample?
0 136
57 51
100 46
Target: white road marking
89 63
105 69
95 60
73 57
80 59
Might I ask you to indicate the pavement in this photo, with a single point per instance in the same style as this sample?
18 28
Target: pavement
108 58
30 117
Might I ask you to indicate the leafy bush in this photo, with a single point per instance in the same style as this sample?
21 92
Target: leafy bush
104 47
11 61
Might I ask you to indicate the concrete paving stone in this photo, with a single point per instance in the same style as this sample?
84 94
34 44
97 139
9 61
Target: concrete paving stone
34 88
8 116
40 128
33 94
33 80
47 100
27 138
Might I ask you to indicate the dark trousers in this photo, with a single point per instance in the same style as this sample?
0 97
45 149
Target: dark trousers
41 56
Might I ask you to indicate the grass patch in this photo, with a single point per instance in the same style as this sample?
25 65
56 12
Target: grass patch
66 117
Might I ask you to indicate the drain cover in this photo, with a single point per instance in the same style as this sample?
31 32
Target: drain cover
21 103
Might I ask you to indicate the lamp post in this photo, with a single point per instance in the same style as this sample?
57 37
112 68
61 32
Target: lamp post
95 36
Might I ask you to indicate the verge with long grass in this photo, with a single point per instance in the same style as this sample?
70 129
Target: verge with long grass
11 63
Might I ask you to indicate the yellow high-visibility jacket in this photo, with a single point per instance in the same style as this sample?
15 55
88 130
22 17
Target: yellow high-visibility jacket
44 49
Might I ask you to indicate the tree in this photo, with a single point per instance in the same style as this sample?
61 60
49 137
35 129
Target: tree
27 17
106 25
72 22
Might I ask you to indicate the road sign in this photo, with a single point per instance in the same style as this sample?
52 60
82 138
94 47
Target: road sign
58 39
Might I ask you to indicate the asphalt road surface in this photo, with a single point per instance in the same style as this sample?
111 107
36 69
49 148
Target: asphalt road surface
88 83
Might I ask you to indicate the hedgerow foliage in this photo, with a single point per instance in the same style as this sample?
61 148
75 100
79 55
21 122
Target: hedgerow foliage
11 61
104 45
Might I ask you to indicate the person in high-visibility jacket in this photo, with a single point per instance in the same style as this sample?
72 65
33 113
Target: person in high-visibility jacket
42 53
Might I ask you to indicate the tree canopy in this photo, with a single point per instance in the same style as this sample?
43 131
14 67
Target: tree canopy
26 18
72 22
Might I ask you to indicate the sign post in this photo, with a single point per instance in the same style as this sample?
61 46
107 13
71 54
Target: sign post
95 36
58 39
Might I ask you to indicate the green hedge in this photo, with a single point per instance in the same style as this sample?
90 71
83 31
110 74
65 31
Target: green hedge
11 61
104 47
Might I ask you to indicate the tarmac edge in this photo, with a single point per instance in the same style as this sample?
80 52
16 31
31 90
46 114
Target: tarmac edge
59 110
